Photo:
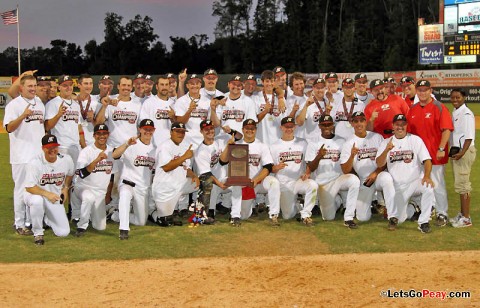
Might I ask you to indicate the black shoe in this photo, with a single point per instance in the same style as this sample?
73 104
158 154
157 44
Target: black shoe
162 222
235 222
441 220
392 224
417 212
151 219
123 235
80 232
424 228
350 224
261 207
255 212
316 211
221 209
211 213
39 240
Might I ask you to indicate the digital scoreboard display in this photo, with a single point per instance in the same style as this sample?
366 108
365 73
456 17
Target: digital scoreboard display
462 44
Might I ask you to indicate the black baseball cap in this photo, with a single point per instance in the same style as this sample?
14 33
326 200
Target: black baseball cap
194 76
407 80
249 122
210 71
251 77
64 78
376 83
319 80
399 117
278 70
423 83
146 123
389 80
138 76
359 114
178 125
49 141
205 124
44 78
149 78
331 76
325 118
348 83
287 120
171 75
236 78
100 128
107 78
360 76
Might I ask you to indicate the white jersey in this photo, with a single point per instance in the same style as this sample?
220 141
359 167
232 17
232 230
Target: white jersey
25 141
99 178
49 176
405 160
337 98
207 159
138 163
88 126
200 113
66 128
339 113
258 156
268 130
210 94
292 153
364 162
167 184
329 166
157 109
364 98
464 123
310 128
236 111
122 121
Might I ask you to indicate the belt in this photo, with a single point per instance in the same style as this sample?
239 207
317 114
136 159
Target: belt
128 183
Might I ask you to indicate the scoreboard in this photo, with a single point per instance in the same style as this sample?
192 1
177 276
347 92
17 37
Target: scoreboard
462 44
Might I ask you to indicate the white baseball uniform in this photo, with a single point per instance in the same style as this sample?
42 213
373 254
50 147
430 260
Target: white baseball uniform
310 128
340 113
293 154
66 129
50 177
268 130
364 164
258 156
25 144
364 98
405 165
210 94
122 121
330 178
236 111
289 104
88 126
135 180
90 189
157 109
200 113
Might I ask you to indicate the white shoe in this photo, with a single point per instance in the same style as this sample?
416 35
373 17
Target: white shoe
462 222
456 218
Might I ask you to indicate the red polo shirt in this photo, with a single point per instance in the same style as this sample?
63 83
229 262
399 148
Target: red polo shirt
387 109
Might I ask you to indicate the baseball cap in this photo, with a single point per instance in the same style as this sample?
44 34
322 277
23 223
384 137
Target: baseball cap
100 128
319 80
193 76
423 83
146 123
210 71
205 124
107 78
376 83
44 78
178 125
348 83
249 122
287 120
331 76
251 77
49 141
236 78
138 76
389 80
360 76
399 117
149 78
358 114
407 80
325 118
278 70
171 75
64 78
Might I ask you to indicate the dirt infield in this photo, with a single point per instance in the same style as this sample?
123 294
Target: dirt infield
307 281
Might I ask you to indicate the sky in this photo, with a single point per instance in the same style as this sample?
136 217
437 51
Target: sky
78 21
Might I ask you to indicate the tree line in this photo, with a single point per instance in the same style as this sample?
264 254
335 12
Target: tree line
300 35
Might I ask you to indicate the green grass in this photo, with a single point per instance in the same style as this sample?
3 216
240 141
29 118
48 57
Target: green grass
254 238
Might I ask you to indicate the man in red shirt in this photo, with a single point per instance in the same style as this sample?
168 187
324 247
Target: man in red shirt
381 110
431 120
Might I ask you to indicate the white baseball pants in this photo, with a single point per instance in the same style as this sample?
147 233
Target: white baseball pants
328 192
384 183
92 207
288 196
403 194
54 212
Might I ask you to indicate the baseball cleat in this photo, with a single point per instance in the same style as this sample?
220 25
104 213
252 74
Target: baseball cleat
392 224
462 223
456 218
123 234
424 228
39 240
23 231
235 222
274 221
441 220
350 224
80 232
308 222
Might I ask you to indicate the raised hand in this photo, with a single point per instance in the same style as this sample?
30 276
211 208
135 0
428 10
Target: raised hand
188 153
354 150
390 144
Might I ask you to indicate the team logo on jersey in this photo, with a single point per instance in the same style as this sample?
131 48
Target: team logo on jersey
214 159
276 112
36 115
254 159
367 153
428 115
316 116
236 115
340 116
385 107
161 114
52 178
144 161
125 115
71 115
295 156
405 156
104 166
332 154
199 113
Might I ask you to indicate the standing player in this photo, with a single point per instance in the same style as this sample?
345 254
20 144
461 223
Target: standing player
404 154
431 121
210 79
148 87
358 156
47 183
88 106
323 159
361 93
315 106
344 108
281 80
332 88
390 85
95 166
138 158
23 121
138 87
289 168
105 86
249 85
383 108
297 98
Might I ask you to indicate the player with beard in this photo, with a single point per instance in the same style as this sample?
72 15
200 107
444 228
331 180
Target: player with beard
383 108
390 85
342 110
210 79
88 105
361 93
